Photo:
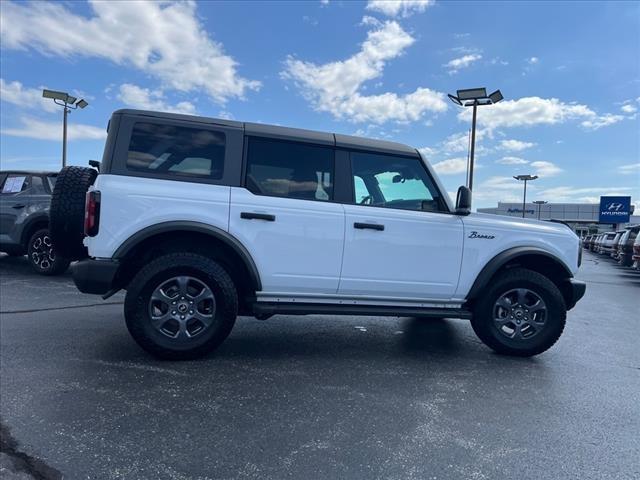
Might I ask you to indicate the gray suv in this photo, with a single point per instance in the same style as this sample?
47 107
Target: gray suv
24 219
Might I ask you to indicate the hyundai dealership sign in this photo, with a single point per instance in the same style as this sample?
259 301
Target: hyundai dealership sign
615 209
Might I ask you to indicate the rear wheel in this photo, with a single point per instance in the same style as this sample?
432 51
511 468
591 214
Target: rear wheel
522 313
181 306
42 257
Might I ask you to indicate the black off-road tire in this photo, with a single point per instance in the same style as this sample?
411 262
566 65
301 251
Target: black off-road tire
42 256
488 331
137 305
66 218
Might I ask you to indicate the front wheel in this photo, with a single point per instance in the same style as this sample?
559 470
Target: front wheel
42 256
181 306
522 313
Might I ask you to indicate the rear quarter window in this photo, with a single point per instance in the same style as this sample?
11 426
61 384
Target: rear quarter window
171 150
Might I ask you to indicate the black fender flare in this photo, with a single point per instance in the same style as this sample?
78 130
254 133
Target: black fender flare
190 226
501 259
27 229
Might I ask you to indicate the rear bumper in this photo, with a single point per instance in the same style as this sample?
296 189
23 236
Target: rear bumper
573 291
94 276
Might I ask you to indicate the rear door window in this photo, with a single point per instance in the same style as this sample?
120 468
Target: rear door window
171 150
288 169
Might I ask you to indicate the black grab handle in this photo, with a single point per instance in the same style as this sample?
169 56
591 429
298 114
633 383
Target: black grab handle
258 216
369 226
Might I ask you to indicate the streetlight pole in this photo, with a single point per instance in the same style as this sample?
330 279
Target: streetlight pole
64 135
473 97
539 203
473 144
526 179
68 103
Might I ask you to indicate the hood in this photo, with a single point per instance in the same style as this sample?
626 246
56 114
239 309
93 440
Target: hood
518 224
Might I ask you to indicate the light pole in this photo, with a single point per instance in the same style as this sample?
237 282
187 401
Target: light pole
473 97
68 103
539 203
526 178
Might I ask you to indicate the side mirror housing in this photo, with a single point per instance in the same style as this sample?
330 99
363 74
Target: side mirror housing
463 201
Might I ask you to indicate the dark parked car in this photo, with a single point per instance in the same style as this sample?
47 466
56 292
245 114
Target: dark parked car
636 253
625 247
586 241
24 219
613 252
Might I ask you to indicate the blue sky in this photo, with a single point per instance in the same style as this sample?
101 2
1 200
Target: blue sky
570 74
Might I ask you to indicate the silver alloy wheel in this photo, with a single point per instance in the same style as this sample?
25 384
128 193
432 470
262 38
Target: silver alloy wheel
520 314
42 254
182 307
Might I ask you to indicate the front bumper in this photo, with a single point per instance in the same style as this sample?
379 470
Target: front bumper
95 276
573 290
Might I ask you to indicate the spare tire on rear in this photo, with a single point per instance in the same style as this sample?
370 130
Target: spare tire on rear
66 217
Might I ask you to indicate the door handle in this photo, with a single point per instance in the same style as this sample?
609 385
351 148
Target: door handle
258 216
368 226
18 205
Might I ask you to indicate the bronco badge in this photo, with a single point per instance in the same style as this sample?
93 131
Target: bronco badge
475 234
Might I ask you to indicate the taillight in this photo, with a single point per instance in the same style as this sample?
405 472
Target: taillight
92 213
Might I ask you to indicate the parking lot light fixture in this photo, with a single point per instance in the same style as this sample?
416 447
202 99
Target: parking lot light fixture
68 102
473 97
525 178
539 203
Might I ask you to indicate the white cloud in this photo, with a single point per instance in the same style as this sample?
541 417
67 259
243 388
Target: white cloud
335 87
428 152
528 111
533 60
456 143
44 130
451 166
515 145
14 92
566 193
629 108
145 99
499 61
546 169
498 189
512 161
462 62
163 39
597 122
393 8
633 167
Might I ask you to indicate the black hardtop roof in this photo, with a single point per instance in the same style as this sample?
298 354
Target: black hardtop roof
287 133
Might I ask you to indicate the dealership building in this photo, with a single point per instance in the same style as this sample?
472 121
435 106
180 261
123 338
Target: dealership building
583 218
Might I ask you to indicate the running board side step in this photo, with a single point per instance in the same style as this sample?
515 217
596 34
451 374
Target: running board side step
274 308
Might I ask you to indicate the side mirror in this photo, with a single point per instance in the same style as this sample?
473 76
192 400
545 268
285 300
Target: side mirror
463 201
95 164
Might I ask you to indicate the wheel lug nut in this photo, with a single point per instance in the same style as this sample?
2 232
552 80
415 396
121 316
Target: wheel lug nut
190 312
173 312
181 317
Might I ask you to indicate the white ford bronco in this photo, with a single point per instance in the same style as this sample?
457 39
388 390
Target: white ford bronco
201 220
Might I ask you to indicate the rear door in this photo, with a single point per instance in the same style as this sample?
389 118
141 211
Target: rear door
400 240
285 216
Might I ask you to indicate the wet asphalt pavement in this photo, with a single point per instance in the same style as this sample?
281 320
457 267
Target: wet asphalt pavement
316 397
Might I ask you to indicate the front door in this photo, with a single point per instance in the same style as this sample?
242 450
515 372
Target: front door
285 217
400 240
